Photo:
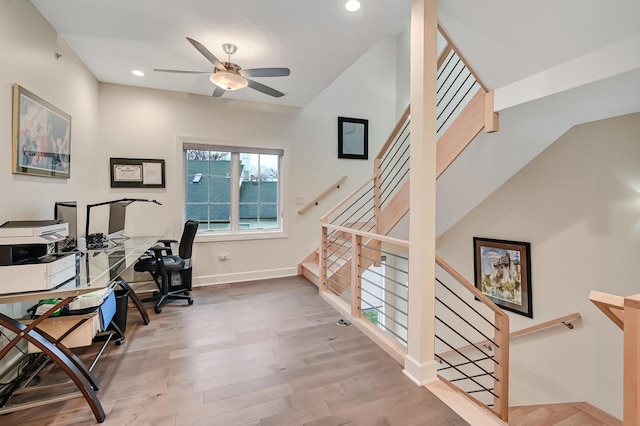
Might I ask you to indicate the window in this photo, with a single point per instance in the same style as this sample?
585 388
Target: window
232 189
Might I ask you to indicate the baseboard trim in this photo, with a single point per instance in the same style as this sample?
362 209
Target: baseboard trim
244 276
420 373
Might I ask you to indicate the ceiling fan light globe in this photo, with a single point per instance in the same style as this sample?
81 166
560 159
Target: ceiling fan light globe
228 81
352 5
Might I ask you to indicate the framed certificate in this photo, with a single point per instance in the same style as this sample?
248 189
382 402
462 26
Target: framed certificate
136 173
127 173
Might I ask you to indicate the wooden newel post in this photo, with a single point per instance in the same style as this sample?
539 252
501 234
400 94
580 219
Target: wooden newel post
631 408
356 273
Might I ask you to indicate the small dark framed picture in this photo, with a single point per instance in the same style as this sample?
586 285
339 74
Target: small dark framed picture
353 138
502 271
136 173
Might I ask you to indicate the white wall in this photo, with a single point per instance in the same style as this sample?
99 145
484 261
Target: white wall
403 59
27 47
121 121
578 204
145 123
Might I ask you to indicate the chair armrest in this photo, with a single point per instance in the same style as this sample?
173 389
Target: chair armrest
167 242
159 251
166 247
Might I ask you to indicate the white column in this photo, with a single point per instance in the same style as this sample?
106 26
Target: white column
419 364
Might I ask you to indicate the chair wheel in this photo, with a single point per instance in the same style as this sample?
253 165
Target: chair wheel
190 301
158 309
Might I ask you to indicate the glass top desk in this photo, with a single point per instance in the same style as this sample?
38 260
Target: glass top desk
98 269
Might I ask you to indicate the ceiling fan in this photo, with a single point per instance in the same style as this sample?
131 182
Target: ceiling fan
229 76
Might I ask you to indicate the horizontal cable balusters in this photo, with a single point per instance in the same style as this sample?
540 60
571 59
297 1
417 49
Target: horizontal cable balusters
469 341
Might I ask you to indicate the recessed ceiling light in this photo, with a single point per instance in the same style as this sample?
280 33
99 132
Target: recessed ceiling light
137 73
352 5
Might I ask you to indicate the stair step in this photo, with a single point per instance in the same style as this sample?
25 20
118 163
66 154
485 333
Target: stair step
314 268
570 413
311 271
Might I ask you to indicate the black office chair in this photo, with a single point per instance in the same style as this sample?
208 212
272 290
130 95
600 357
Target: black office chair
162 264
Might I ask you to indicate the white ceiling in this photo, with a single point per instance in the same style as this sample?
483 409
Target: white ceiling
319 39
505 41
316 39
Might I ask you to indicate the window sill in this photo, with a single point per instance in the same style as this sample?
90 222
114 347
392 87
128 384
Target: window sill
212 236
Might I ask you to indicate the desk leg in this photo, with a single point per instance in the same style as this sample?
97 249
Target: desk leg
136 300
72 357
61 359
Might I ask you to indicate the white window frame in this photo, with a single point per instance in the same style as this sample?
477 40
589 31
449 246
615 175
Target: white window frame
183 143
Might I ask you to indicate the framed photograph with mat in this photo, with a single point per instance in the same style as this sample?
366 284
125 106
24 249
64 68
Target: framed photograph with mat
41 136
502 271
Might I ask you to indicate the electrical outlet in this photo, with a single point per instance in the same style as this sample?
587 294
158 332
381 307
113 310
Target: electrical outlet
224 257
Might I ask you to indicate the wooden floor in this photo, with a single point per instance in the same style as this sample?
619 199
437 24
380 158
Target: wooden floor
261 353
565 414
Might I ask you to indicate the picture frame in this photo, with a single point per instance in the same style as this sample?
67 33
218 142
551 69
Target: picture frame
353 138
502 271
137 173
41 136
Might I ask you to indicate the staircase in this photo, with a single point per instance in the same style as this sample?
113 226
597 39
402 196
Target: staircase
355 237
376 206
464 108
355 240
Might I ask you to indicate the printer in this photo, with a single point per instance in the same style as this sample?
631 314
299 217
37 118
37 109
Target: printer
26 263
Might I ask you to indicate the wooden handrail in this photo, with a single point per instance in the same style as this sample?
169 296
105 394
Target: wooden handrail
316 200
610 305
344 200
443 55
566 320
369 235
394 132
470 287
464 61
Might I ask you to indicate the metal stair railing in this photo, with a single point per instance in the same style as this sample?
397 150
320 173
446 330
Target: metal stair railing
465 316
376 295
365 273
457 83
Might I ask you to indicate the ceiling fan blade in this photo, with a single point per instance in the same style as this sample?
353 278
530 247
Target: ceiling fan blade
264 89
219 91
265 72
182 71
210 56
